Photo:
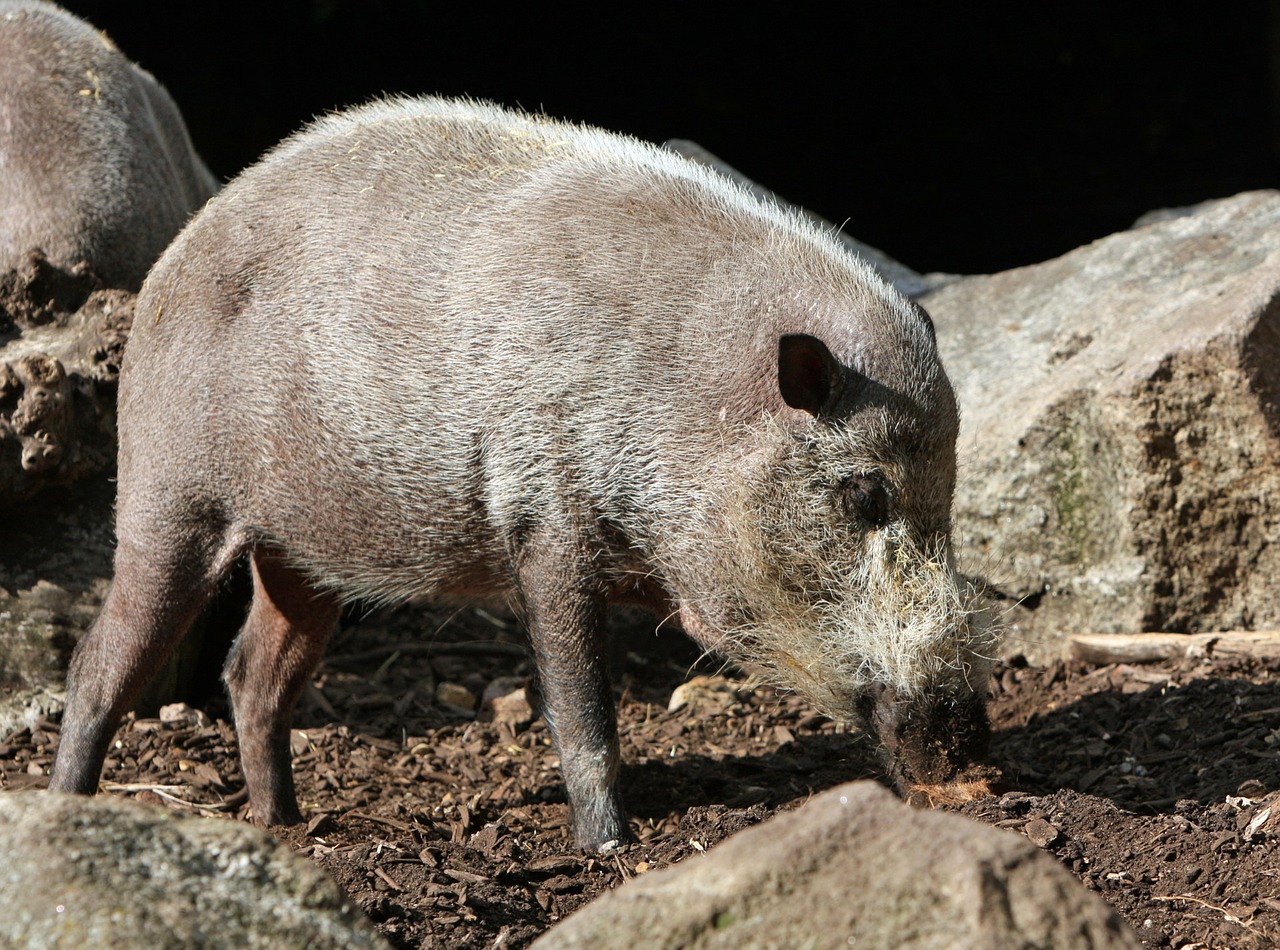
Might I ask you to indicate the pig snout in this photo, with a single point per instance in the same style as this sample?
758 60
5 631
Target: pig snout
927 739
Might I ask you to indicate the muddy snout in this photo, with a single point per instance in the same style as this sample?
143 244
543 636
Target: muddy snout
934 745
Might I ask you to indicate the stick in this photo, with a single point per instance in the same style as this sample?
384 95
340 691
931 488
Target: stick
164 791
415 648
1195 900
1103 648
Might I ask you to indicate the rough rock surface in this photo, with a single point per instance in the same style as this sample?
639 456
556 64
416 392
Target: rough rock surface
61 341
1121 428
62 338
854 867
104 872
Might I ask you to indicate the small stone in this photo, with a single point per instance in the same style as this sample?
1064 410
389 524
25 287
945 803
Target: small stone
1041 832
506 699
713 693
456 697
183 714
299 743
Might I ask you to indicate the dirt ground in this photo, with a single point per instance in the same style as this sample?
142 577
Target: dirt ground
1154 785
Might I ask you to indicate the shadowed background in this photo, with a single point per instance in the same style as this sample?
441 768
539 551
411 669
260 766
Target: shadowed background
957 141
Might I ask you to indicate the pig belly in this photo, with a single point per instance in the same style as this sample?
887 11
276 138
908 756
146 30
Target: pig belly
363 542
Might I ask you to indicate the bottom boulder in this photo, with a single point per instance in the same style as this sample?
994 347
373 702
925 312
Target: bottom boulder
103 872
854 868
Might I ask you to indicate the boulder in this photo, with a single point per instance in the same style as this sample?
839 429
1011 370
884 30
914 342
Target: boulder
1120 412
62 339
104 872
853 867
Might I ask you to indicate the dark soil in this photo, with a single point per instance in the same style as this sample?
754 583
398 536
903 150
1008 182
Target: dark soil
39 292
1154 785
58 382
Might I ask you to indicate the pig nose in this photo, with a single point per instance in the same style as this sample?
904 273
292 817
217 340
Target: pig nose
881 713
928 738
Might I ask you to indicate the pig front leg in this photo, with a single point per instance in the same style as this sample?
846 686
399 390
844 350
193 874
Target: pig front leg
565 615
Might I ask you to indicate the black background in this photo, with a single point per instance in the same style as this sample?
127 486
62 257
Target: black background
954 140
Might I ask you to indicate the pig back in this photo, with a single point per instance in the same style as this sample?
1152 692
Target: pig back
414 333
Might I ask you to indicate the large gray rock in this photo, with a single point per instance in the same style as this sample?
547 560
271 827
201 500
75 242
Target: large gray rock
854 867
102 872
1120 423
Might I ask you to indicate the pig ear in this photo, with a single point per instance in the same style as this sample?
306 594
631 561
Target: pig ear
809 377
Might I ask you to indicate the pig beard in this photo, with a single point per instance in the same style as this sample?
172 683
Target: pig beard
899 618
808 601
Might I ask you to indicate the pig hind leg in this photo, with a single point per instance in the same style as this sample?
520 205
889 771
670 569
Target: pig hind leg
163 579
282 641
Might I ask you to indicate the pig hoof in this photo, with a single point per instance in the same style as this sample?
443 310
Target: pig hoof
606 836
277 816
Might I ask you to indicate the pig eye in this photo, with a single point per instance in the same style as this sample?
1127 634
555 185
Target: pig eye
865 497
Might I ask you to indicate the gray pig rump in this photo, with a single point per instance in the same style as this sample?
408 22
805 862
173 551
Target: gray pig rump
432 348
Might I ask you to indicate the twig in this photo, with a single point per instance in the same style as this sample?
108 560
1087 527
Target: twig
1150 647
622 868
467 648
388 662
496 621
165 792
1195 900
139 787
